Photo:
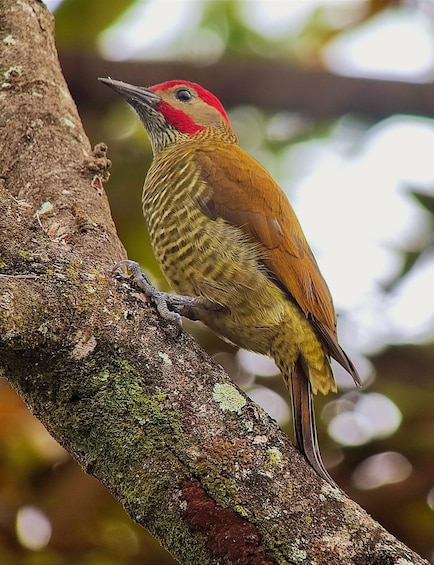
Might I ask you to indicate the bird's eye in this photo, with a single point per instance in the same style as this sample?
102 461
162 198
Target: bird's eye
183 95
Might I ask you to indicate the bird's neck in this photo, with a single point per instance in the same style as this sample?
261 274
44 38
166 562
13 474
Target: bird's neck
182 141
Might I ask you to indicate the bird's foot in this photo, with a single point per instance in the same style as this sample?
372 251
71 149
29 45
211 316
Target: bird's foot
170 306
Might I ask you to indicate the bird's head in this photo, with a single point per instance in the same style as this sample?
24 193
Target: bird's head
175 111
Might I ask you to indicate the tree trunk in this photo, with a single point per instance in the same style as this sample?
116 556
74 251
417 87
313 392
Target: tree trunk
135 401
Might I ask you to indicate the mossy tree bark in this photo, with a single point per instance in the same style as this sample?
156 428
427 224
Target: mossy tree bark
134 401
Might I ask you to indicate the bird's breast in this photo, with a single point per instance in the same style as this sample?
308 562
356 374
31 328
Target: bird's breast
212 258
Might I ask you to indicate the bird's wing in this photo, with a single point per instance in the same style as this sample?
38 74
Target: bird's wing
244 194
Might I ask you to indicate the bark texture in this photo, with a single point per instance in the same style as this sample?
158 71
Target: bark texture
135 401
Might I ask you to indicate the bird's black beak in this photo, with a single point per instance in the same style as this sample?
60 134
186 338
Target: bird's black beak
131 93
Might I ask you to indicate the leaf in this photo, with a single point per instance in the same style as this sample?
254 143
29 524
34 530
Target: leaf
424 199
85 19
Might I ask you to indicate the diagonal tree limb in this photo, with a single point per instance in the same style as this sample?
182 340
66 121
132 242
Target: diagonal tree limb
275 85
137 404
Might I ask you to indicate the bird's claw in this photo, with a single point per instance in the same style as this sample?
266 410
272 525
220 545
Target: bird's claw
169 306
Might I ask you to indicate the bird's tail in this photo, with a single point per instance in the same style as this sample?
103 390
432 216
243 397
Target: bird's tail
304 420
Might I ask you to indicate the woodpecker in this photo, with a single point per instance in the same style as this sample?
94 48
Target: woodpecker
230 245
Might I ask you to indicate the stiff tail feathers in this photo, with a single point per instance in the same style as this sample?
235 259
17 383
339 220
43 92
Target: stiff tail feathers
335 350
304 421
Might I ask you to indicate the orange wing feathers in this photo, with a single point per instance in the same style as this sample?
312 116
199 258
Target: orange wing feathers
244 194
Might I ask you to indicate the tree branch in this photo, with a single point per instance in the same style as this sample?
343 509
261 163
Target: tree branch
134 401
266 84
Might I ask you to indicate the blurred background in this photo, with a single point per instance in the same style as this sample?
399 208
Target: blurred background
336 99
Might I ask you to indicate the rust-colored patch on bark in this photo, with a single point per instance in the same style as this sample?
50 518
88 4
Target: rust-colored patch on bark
226 533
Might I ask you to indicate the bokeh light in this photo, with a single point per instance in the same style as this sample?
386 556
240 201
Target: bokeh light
272 403
33 528
382 469
366 417
257 364
396 44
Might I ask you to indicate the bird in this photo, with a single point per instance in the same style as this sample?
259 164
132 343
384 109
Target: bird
232 249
